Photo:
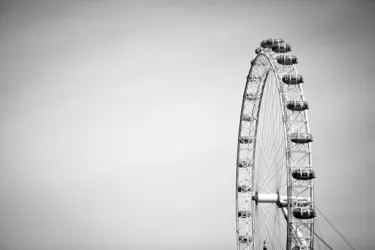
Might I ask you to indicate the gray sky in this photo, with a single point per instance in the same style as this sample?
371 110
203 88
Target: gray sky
119 119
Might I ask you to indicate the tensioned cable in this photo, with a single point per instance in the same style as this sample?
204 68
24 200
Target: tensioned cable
282 226
317 229
265 109
320 238
270 122
276 170
337 231
261 222
270 125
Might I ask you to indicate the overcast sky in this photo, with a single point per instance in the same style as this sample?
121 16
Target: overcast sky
119 119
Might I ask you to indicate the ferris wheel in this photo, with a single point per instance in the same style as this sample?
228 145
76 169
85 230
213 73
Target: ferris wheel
274 177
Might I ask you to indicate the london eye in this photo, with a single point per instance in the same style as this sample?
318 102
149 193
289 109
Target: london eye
274 177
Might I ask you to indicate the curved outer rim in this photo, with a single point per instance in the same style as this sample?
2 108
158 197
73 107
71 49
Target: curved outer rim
267 54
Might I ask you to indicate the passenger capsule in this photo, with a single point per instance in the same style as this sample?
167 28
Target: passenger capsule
251 96
303 174
243 188
297 105
247 118
243 214
292 79
304 213
286 59
244 239
244 164
258 50
301 203
245 139
300 248
281 47
271 41
253 78
301 138
264 44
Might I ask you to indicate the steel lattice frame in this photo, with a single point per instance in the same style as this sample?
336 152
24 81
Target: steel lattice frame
266 158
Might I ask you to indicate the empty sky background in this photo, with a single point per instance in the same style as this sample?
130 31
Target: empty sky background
119 119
